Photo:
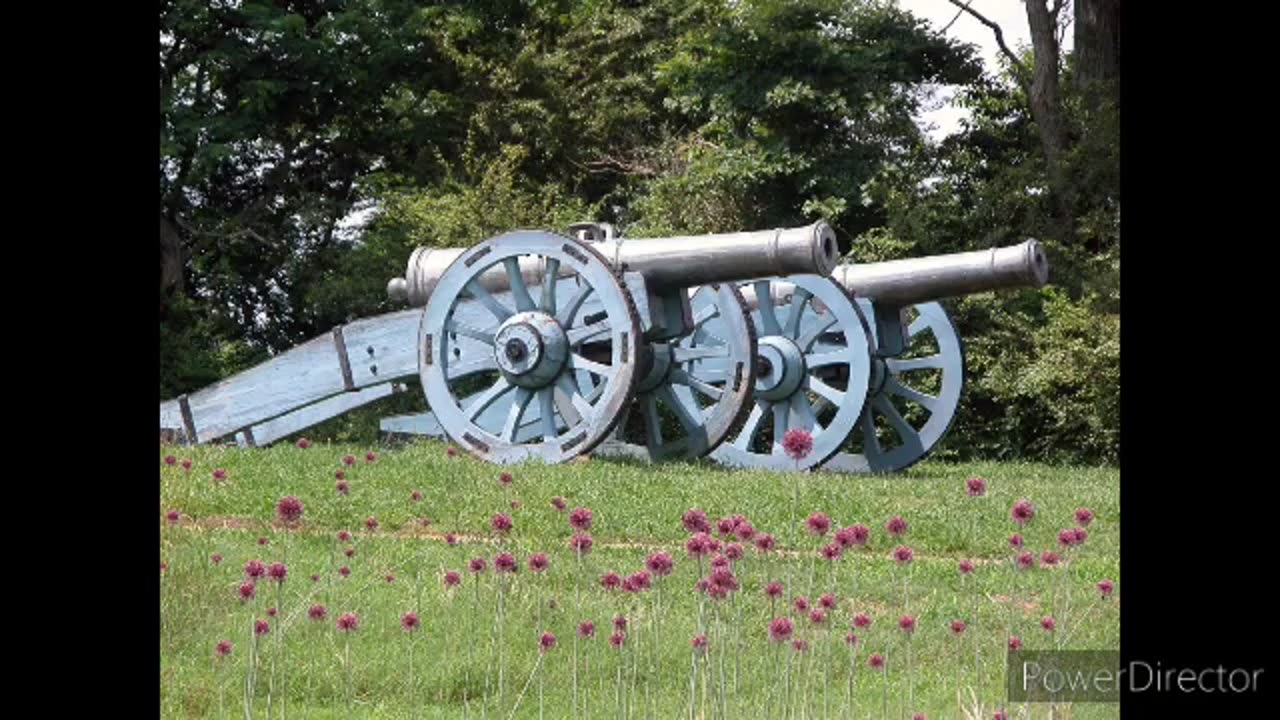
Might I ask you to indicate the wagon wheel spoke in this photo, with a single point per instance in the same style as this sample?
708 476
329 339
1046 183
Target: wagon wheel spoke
802 414
577 362
764 303
499 311
890 413
566 385
821 404
830 394
551 274
547 413
799 299
692 426
830 357
466 330
524 302
708 312
810 336
586 333
743 441
780 413
565 407
930 362
477 363
688 354
569 310
680 376
869 438
894 387
499 388
518 405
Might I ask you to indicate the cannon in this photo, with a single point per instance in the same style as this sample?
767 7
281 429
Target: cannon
535 344
617 324
811 347
800 382
544 345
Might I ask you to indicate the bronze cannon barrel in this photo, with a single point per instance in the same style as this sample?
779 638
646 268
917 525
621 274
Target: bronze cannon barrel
666 263
935 277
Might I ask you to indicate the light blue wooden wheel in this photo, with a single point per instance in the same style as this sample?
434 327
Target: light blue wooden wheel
891 442
817 332
537 344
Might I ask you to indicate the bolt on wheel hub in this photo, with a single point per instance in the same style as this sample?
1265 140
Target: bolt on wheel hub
530 349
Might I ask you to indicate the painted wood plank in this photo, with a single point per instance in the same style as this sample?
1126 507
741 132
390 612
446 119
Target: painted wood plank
383 348
170 417
272 430
300 376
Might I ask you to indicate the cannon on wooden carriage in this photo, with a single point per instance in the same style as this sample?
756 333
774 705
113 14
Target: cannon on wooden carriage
654 325
535 344
864 357
916 362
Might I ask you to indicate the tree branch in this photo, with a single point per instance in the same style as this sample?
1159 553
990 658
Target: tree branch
957 17
1017 64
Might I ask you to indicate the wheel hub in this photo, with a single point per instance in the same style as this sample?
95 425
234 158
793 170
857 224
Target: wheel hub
780 368
530 349
659 363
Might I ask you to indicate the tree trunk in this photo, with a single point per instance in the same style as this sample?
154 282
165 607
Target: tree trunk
171 263
1097 45
1045 99
1046 107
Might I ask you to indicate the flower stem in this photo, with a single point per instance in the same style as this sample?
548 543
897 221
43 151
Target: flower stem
786 708
693 683
346 662
248 675
577 594
911 678
536 666
502 666
412 704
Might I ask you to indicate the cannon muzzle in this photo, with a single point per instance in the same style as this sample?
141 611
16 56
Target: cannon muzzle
918 280
667 263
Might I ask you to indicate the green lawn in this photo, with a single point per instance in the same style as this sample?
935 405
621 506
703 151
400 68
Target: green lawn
457 659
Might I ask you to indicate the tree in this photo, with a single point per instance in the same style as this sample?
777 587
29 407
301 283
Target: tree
271 114
1043 365
793 106
1097 74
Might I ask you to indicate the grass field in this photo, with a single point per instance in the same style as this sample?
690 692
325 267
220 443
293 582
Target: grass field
463 662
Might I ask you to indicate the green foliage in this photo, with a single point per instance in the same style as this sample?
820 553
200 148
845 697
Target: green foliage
1044 378
1043 366
454 121
796 105
452 213
197 350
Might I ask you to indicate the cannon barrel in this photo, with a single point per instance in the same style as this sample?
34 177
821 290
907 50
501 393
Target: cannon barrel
666 263
935 277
